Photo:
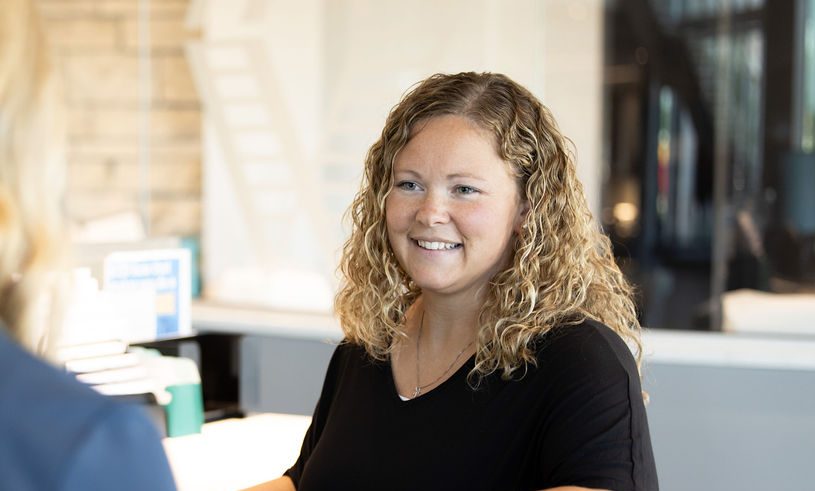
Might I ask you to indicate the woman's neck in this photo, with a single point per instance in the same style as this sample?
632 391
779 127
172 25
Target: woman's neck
446 323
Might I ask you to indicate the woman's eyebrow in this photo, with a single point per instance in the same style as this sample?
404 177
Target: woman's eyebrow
459 175
449 177
407 171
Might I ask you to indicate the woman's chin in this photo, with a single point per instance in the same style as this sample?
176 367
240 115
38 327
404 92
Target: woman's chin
433 285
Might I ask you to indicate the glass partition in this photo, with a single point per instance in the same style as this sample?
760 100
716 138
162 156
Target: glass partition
710 172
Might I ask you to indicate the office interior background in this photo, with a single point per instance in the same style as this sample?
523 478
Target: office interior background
240 127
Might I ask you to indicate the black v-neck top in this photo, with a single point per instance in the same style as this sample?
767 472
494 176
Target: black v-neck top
575 419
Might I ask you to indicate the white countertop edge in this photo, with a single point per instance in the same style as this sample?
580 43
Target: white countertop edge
727 349
209 317
661 346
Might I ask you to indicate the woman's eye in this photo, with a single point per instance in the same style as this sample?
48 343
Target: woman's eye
466 190
407 186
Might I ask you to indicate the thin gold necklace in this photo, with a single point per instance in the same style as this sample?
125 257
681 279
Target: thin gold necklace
419 387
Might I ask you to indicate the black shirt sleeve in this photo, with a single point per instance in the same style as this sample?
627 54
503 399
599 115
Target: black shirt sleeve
318 420
594 431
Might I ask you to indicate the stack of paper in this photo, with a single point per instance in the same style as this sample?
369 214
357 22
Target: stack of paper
112 370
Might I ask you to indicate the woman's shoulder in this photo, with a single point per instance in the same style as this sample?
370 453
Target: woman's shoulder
588 346
121 438
72 420
30 381
350 354
347 349
581 332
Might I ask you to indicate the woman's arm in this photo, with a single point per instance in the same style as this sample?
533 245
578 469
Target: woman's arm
280 484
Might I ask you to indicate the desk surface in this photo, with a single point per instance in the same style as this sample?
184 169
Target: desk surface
236 453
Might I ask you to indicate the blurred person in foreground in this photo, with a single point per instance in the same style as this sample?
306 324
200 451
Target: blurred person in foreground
485 319
55 433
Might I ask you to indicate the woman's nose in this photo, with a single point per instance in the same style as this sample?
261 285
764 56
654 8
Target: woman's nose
433 210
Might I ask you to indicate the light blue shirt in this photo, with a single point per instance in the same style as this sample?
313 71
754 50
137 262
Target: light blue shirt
58 434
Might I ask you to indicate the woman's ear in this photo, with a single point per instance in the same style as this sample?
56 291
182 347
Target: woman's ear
520 220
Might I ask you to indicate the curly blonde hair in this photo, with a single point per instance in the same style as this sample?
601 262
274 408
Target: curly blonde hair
562 270
32 232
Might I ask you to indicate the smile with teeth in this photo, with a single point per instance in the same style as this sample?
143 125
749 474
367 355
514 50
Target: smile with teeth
437 246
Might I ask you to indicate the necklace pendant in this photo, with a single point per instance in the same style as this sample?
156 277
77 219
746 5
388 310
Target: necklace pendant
416 392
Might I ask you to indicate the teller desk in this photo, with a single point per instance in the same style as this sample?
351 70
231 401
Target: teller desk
234 454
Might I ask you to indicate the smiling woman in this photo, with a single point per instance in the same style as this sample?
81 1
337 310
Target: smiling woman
485 319
453 209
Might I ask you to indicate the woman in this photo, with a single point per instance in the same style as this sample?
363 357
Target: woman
485 319
55 433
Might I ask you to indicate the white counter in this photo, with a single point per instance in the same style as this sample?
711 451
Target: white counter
730 350
661 346
236 453
213 317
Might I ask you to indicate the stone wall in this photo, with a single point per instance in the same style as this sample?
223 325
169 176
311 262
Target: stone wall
98 47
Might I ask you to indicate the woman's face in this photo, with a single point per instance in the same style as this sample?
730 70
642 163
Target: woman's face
454 207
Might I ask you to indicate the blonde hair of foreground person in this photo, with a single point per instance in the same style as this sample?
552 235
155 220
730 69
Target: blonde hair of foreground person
562 271
32 235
